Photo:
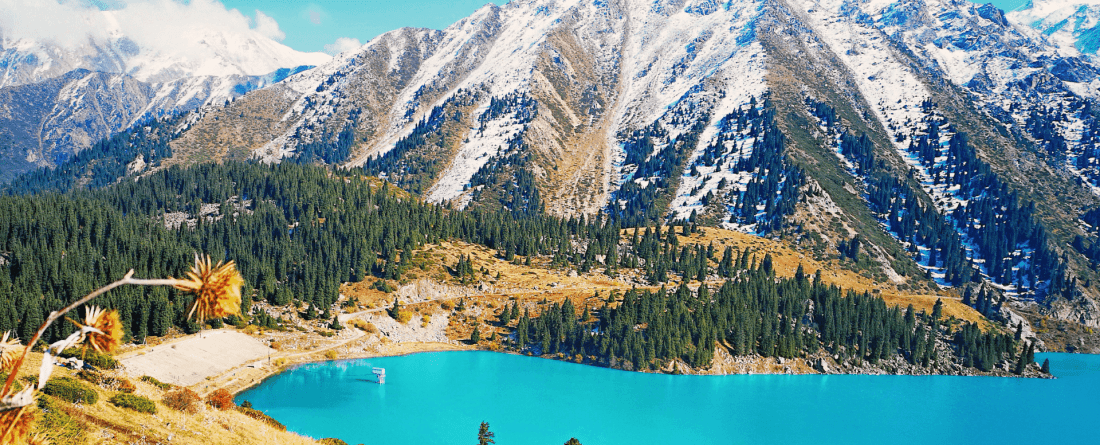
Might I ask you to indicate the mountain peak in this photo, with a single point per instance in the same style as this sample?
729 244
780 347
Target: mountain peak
202 39
1071 24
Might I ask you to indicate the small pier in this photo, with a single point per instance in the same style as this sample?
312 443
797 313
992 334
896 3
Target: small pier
380 373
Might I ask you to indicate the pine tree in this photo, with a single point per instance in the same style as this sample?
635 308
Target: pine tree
1021 363
475 336
1046 366
484 436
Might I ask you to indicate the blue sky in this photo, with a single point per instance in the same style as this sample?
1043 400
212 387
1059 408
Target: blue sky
309 26
1007 5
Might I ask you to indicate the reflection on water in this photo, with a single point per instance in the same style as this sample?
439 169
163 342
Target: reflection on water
443 397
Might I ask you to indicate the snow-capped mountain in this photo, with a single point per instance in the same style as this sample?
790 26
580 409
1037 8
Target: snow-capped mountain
73 93
210 54
1071 24
153 43
947 143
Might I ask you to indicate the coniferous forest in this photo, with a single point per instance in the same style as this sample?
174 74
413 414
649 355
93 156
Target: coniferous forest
753 312
298 231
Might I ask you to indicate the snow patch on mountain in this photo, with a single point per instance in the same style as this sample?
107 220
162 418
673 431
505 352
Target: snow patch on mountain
888 84
485 140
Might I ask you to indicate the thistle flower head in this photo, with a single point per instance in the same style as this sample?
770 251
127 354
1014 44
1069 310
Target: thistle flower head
217 289
106 332
9 351
16 424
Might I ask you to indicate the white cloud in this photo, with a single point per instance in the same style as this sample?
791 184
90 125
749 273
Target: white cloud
150 23
342 44
268 27
175 37
66 22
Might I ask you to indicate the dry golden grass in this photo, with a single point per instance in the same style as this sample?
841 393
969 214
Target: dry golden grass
529 285
106 423
786 260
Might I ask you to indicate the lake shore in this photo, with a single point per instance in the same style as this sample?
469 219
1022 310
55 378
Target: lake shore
232 361
238 359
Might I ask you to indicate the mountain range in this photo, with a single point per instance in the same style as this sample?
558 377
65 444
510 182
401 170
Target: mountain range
935 144
61 97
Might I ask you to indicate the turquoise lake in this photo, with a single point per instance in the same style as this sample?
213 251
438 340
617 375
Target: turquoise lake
441 398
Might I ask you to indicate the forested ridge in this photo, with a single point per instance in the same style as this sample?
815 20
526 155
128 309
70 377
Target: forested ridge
752 312
298 231
988 230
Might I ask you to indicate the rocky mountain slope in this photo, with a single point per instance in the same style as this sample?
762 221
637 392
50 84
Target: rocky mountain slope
936 144
58 98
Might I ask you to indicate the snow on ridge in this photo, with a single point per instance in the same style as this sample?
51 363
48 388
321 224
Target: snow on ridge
485 140
707 55
890 87
523 29
152 43
744 81
672 54
1051 10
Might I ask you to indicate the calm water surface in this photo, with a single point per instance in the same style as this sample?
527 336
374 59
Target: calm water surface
441 398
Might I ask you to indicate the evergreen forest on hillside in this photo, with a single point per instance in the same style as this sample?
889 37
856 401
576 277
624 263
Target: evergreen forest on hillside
298 231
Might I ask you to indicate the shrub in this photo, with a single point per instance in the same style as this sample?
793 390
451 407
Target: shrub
183 399
330 354
326 334
364 326
402 316
136 403
91 357
92 377
220 399
62 427
332 441
383 286
125 386
259 415
155 382
71 391
106 381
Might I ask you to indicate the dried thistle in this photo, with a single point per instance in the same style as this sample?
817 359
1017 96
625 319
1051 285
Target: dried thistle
106 332
16 424
9 351
217 289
